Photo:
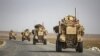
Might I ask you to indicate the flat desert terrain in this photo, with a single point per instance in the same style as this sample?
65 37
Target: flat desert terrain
90 40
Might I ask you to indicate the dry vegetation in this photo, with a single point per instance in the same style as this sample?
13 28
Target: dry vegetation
91 42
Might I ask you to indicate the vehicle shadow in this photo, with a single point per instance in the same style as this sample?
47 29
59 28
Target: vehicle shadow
24 42
21 43
53 52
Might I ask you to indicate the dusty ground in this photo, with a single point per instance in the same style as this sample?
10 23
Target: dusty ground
28 49
90 40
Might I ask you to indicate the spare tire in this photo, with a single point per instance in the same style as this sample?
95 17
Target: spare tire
56 29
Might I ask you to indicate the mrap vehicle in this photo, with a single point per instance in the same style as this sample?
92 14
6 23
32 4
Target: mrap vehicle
26 35
69 34
39 34
12 35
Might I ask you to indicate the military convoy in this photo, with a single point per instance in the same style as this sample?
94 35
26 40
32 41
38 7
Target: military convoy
12 35
39 34
70 33
26 35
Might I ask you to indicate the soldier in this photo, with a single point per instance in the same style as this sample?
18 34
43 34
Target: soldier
12 35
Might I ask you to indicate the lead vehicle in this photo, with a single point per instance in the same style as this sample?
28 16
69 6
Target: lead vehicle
70 33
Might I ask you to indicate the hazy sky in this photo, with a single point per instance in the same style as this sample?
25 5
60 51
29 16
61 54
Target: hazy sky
21 14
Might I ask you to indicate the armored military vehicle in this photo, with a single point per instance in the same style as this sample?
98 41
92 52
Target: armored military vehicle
39 34
12 35
26 35
70 33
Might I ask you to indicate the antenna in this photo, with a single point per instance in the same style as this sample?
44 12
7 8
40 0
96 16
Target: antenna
75 14
59 27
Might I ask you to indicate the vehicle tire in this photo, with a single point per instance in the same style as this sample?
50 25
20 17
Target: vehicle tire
79 47
23 39
14 38
34 41
58 47
9 38
76 49
45 42
28 39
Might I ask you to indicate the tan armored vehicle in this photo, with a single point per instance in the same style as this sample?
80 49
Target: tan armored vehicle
12 35
70 33
39 34
26 35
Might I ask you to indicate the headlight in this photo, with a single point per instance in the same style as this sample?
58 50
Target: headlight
36 37
45 37
80 39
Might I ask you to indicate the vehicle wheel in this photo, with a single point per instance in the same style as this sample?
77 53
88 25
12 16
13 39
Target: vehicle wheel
34 42
79 47
45 42
14 38
23 39
28 39
9 38
58 47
